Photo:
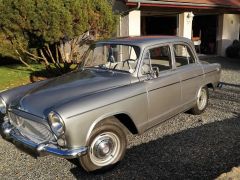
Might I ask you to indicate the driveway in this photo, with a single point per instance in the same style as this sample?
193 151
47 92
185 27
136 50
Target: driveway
206 146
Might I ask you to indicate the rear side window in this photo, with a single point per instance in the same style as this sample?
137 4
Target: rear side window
183 55
157 59
161 58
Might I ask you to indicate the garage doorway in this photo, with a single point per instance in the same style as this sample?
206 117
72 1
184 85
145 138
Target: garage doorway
159 25
205 28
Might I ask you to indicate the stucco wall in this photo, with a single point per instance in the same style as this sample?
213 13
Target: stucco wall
130 24
228 31
135 23
185 24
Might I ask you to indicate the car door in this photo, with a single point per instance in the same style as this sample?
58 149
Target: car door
190 73
162 83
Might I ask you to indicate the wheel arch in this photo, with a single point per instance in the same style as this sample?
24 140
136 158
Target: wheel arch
123 117
210 86
127 121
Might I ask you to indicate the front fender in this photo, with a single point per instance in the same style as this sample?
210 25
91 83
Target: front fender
101 118
81 116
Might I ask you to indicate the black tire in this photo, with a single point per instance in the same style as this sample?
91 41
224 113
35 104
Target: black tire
202 101
109 135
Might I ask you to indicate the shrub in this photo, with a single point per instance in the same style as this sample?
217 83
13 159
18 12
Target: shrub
50 31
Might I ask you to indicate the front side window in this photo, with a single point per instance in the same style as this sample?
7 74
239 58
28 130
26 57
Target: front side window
113 57
183 55
156 60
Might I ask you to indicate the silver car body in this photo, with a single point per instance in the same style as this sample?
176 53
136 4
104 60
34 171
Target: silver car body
85 97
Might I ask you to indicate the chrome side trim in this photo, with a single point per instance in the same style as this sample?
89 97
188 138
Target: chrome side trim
44 147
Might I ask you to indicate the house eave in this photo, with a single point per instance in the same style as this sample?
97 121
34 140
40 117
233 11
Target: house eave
182 5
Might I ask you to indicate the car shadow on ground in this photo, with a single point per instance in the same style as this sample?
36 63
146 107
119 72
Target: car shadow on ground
203 152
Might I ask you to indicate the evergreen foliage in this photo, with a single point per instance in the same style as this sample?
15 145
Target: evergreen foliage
36 26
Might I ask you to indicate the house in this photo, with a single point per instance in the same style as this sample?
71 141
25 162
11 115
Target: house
211 24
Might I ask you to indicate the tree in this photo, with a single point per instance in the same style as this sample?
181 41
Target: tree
42 30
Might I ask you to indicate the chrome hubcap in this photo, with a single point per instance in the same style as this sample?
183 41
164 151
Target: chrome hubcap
202 99
105 149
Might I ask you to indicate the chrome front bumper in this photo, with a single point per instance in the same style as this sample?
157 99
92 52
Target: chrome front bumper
43 148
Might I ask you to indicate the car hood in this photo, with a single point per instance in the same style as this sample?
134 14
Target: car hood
39 101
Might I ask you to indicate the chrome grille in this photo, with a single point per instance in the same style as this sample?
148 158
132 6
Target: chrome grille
35 131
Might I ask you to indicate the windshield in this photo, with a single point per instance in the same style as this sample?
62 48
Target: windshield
113 57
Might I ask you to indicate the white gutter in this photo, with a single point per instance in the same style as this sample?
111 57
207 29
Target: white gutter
181 3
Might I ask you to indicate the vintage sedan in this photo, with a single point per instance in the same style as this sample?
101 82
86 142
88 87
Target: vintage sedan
123 85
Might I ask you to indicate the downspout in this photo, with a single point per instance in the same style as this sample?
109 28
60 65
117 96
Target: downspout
124 14
133 9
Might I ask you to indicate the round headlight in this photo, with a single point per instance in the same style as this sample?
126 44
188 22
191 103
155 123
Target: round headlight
3 106
56 123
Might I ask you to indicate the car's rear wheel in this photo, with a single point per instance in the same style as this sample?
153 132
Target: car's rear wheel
107 146
202 101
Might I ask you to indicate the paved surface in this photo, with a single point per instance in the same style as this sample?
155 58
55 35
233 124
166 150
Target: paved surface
206 146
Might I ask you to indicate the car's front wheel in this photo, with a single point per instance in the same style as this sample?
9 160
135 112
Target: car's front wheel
202 101
107 145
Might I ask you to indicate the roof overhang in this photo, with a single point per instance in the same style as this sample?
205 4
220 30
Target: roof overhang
226 5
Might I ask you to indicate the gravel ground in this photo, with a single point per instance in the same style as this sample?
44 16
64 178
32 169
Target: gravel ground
185 147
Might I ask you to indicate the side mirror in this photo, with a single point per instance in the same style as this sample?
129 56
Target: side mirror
156 71
150 72
151 75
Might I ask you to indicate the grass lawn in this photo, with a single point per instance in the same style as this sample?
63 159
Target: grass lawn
15 75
